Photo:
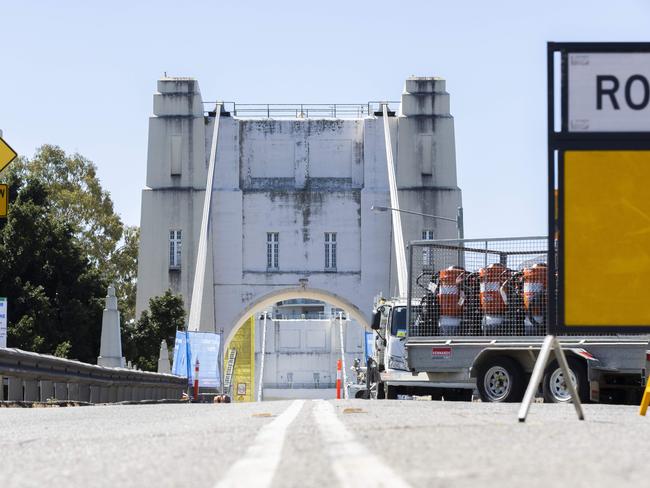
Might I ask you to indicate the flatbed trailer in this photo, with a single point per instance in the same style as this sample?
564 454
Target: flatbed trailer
610 369
495 354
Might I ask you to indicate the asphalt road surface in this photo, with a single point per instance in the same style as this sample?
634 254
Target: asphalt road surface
307 443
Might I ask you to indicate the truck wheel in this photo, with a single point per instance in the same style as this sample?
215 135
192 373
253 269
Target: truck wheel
391 392
362 394
555 388
500 379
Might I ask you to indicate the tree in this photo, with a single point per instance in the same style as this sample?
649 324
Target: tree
77 198
122 271
141 340
55 293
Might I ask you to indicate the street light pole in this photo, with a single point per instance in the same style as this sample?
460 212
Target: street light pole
459 223
458 220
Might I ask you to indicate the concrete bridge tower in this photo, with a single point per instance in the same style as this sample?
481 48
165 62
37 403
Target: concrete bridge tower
291 204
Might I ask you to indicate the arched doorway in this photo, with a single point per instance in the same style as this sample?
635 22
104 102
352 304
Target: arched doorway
301 351
297 292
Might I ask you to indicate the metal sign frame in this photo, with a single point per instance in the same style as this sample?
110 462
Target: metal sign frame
558 143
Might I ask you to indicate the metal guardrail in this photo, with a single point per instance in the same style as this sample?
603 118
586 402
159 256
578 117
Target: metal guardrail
38 377
303 110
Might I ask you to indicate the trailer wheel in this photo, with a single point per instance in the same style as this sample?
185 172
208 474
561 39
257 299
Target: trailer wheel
555 388
500 379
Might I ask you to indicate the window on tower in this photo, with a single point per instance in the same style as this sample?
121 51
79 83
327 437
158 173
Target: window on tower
175 240
330 251
272 250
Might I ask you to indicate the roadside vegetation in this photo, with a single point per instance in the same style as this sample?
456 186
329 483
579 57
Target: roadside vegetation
61 245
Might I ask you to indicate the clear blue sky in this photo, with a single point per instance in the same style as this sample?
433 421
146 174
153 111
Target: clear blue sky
82 74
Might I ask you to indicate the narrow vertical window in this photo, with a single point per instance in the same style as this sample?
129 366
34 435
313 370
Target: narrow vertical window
175 239
330 251
272 250
427 252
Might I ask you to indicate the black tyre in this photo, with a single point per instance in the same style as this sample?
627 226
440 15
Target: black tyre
555 388
500 379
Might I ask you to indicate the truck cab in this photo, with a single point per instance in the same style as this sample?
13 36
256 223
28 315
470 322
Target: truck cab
389 322
395 378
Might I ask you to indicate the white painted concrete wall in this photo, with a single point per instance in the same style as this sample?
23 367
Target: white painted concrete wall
296 349
298 177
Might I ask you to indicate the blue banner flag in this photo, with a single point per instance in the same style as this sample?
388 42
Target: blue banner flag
203 346
370 344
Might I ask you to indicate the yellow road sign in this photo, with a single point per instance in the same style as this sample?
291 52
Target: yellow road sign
4 198
7 155
606 238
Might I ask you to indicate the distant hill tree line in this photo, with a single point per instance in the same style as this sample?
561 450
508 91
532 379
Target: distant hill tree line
61 245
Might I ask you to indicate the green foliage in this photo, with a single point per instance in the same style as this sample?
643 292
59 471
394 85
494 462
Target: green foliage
122 271
54 292
77 198
141 340
65 191
63 349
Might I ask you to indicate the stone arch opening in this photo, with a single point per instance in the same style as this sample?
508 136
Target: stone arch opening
300 351
272 298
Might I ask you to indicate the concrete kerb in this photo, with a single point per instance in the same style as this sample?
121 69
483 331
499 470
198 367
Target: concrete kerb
15 389
60 391
47 390
32 390
95 394
84 392
73 392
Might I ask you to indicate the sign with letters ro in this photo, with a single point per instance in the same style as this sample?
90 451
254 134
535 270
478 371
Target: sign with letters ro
608 92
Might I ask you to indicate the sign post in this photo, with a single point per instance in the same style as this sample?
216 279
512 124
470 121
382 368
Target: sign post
598 204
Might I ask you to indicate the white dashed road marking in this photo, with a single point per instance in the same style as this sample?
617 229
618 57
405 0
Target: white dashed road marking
353 464
260 462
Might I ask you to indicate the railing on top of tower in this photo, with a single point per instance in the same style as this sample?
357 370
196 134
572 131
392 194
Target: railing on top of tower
303 110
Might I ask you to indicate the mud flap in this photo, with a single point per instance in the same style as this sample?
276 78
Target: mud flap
594 391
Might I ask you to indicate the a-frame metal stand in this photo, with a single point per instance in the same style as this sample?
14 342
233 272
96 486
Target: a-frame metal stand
550 344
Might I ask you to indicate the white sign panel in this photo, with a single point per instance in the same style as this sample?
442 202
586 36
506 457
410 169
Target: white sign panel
609 92
3 322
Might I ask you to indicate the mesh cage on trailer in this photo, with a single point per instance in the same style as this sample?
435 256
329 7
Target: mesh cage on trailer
478 287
